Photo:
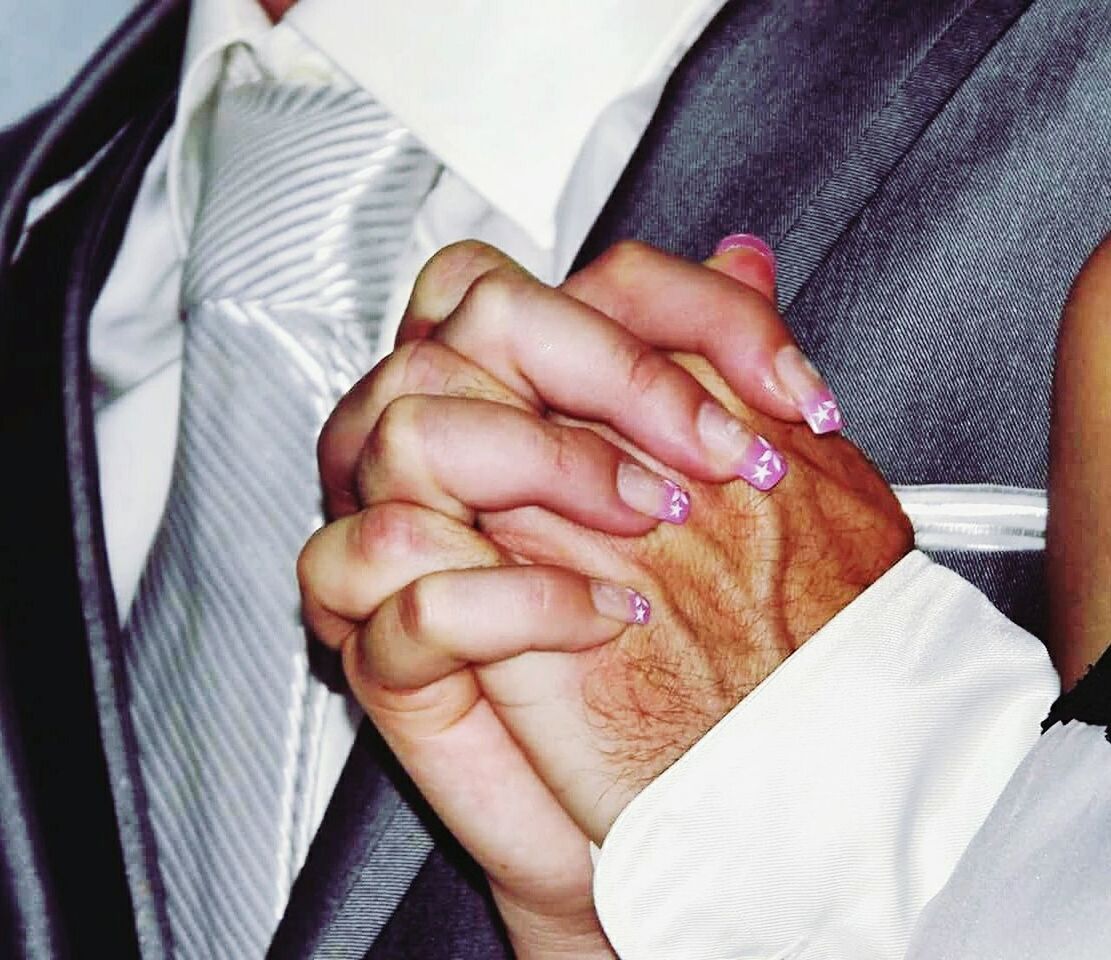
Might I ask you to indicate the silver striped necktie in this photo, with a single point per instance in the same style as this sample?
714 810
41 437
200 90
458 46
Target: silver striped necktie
309 197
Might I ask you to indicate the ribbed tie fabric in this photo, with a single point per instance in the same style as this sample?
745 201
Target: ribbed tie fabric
308 199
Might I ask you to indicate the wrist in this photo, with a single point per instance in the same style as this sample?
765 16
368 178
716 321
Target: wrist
547 935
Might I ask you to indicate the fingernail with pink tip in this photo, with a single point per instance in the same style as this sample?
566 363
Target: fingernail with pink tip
763 465
812 396
620 603
746 454
652 495
748 241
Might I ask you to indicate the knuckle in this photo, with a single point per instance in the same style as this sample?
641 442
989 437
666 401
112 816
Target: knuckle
326 595
308 563
449 262
493 298
430 368
396 433
422 366
327 440
646 369
540 595
624 259
565 452
465 253
386 530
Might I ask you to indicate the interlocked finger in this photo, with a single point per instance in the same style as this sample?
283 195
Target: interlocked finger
561 354
462 456
452 619
351 566
422 367
726 314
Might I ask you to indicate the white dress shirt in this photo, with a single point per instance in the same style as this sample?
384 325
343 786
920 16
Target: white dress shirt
820 816
534 110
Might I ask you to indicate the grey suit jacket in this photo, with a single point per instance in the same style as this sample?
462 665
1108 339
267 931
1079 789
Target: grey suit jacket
931 174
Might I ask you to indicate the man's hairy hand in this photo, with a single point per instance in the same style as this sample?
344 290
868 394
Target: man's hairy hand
734 591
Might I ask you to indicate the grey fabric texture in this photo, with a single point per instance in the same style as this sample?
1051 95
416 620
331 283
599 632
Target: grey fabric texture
1032 884
401 851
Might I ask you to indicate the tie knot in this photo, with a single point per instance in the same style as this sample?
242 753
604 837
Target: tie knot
308 198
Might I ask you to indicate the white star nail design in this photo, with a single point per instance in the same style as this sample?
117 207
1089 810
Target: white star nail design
769 456
767 467
678 503
826 411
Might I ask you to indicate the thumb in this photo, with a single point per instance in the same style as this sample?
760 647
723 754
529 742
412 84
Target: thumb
748 260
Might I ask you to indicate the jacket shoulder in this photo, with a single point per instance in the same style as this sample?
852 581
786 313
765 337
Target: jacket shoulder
17 141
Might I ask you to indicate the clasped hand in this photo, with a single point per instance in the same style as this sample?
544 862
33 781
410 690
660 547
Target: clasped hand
559 554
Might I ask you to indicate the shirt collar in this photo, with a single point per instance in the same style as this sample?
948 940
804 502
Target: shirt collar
503 92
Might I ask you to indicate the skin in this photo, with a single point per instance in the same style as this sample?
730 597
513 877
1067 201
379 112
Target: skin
1079 526
276 9
467 628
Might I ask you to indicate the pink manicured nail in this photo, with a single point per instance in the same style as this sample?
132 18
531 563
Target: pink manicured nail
736 447
652 495
749 241
812 396
620 603
763 466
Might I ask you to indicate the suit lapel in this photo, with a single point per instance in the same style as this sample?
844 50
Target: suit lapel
784 118
143 55
384 879
59 624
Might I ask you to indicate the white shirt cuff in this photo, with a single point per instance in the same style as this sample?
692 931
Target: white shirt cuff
821 814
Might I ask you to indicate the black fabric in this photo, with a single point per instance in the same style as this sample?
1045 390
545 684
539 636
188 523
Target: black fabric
67 847
1089 701
29 910
50 690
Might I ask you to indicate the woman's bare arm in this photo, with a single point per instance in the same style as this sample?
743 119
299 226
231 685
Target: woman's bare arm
1079 533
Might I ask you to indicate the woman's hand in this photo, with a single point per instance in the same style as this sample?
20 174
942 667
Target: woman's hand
460 425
